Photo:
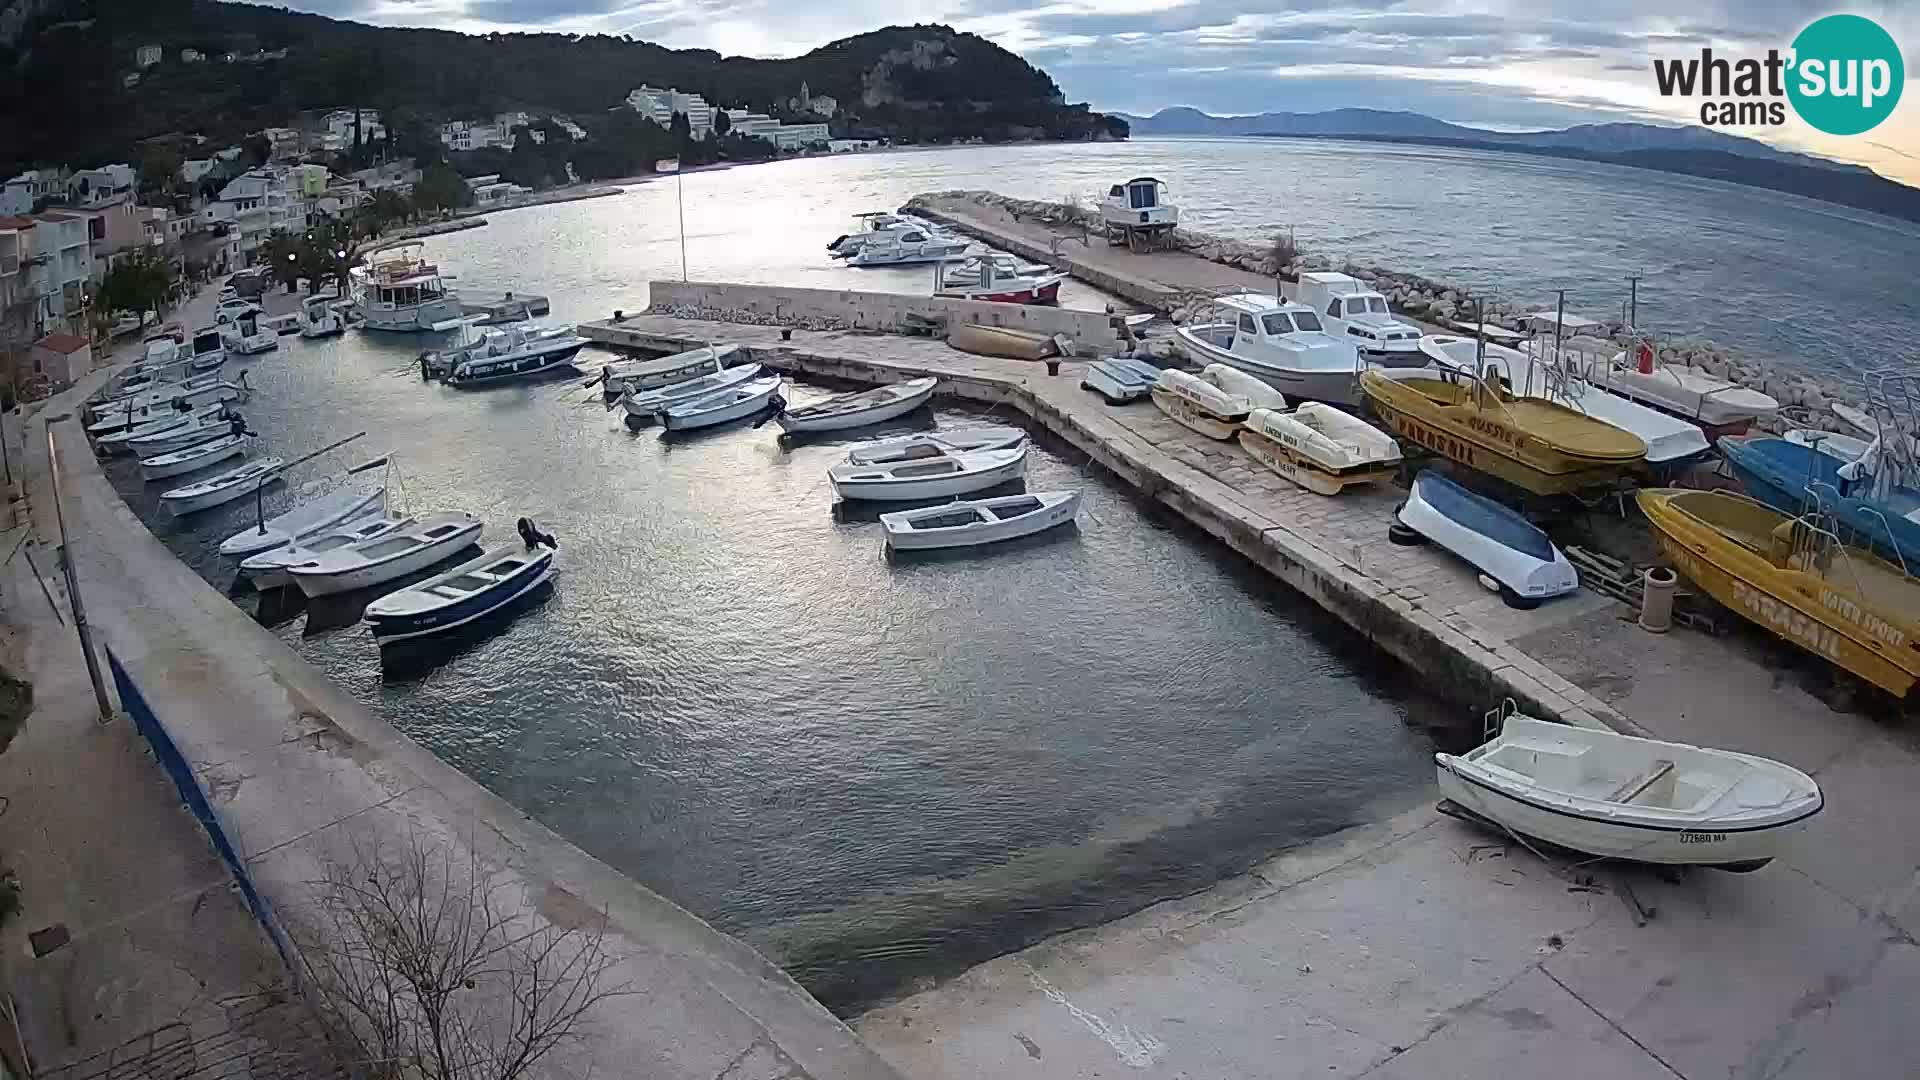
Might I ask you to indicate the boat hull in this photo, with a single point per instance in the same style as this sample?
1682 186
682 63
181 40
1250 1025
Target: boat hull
328 511
409 320
940 487
859 418
388 629
1120 379
538 362
1194 416
1048 512
1779 472
1333 387
1489 538
747 404
644 404
367 576
666 370
172 441
161 468
911 447
220 496
1304 470
1003 342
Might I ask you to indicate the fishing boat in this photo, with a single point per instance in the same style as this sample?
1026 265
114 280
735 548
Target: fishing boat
1880 512
1319 447
1231 380
911 243
303 520
1616 796
209 348
319 318
1281 344
968 270
268 569
399 290
1355 311
422 542
245 337
1199 404
1539 446
1721 407
470 591
1120 379
162 422
935 444
192 433
1002 341
1511 551
181 462
142 377
645 403
224 488
875 225
123 413
984 279
979 521
504 353
649 374
733 403
1138 214
1793 576
862 409
929 478
282 325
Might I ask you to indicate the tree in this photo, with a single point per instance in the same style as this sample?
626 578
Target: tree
257 149
141 282
159 167
682 132
440 188
425 966
722 123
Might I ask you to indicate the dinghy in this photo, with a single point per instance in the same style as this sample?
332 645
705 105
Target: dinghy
645 403
192 433
403 551
1620 797
1120 379
931 444
1002 341
649 374
224 488
166 422
467 592
268 569
1232 380
307 519
733 403
867 407
980 521
929 478
1200 405
1319 447
1507 548
185 461
112 414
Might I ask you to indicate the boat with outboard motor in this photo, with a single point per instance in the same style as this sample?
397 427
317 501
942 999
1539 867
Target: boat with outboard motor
472 590
724 406
1870 497
986 279
506 353
905 244
647 403
420 543
1521 561
1280 343
874 225
268 569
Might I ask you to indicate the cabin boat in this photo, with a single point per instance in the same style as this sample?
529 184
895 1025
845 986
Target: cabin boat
209 348
929 478
1875 512
193 458
861 409
1120 379
1350 309
268 569
505 353
246 337
1002 341
281 325
319 317
1538 446
987 280
1615 796
397 553
979 521
224 488
1281 344
399 290
910 243
1138 214
870 226
1510 550
655 372
304 520
968 270
1319 447
159 350
646 403
935 444
724 406
1721 407
1200 405
470 591
1793 576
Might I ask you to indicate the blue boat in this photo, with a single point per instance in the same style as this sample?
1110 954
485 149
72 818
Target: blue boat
1494 539
461 595
1788 476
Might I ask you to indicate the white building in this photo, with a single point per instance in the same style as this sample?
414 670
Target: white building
848 146
147 55
193 170
796 136
337 129
21 192
785 136
62 241
660 105
286 142
98 187
574 131
253 206
465 135
192 56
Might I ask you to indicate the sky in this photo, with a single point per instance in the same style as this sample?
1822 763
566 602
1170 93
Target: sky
1512 64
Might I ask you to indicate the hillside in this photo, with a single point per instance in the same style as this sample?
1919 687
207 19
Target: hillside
62 98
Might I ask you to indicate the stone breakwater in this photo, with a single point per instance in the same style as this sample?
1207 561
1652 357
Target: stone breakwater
1807 399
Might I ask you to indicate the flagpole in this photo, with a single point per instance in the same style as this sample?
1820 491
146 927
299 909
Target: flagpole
680 201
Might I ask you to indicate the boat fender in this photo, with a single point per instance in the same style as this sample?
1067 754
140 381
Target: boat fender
531 535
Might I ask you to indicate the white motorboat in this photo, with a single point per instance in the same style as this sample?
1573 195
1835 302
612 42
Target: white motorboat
866 226
162 422
1616 796
224 488
913 243
399 290
181 462
209 348
1231 380
307 519
245 337
143 378
862 409
979 521
1834 445
1199 404
268 569
1319 447
929 478
1349 309
1722 407
934 444
1137 213
733 403
1280 343
660 371
1120 379
969 270
511 352
1508 549
421 543
474 589
282 325
645 403
159 351
122 413
319 317
192 433
984 279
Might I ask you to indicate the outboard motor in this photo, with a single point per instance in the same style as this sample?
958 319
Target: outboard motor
531 535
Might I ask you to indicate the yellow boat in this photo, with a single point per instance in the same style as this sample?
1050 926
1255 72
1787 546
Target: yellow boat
1537 445
1794 577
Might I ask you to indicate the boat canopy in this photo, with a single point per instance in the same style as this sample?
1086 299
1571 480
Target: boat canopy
1546 320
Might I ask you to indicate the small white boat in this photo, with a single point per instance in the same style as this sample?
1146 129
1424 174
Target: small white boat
1120 379
1620 797
307 519
1200 405
320 317
281 325
1834 445
511 352
122 413
467 592
862 409
245 337
1722 407
1281 343
929 478
224 488
423 542
649 374
726 406
268 569
1508 549
192 433
1319 447
1233 381
178 418
159 351
929 444
209 348
979 521
990 281
911 243
185 461
645 403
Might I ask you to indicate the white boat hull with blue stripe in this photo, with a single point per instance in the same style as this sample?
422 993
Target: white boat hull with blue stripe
472 590
1497 541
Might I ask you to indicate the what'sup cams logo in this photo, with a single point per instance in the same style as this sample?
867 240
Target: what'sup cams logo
1843 75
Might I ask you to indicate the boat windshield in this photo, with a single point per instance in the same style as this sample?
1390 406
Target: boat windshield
1377 305
1309 322
1277 323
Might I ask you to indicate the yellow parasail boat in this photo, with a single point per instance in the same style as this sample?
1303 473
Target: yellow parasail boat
1537 445
1794 577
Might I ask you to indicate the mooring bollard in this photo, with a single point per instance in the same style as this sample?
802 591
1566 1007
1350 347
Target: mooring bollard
618 315
1656 599
1053 365
786 335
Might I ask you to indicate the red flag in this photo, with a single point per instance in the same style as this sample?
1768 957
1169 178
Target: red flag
1646 358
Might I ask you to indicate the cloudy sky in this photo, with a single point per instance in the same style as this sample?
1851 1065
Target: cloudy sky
1495 63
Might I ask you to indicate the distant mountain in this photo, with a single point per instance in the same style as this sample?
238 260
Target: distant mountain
1377 123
